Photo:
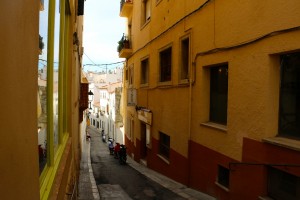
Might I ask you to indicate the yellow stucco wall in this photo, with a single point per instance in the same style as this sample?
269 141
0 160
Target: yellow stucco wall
253 91
253 94
253 77
19 57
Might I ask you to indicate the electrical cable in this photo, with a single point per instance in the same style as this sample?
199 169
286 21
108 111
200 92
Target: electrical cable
103 64
100 65
88 58
273 33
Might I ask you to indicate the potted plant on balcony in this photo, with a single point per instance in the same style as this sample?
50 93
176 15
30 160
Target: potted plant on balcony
120 46
41 44
123 43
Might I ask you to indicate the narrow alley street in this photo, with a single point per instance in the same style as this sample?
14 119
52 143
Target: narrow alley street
130 181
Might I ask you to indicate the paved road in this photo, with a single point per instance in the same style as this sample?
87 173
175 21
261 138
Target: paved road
117 181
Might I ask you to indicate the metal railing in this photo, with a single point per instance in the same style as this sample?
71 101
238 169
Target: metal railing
123 43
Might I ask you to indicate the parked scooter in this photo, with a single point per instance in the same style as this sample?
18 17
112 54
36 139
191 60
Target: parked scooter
122 154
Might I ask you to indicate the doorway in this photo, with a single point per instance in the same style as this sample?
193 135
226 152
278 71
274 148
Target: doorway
143 149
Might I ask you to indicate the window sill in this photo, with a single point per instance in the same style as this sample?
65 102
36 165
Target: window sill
144 85
166 83
284 142
163 159
146 23
220 127
222 187
184 82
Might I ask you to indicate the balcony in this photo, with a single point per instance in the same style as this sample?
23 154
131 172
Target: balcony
126 8
124 47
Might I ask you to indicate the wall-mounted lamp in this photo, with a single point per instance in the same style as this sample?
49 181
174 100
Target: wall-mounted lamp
91 97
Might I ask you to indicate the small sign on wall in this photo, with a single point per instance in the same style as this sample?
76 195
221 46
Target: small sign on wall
131 98
145 116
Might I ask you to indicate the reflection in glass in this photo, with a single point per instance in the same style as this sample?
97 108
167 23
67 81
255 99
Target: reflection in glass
55 74
42 84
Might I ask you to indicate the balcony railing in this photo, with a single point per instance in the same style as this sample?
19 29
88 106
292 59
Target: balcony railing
124 47
126 8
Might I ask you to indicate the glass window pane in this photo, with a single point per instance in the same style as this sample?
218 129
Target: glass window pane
164 145
218 94
144 71
56 75
223 176
184 58
282 185
289 119
42 84
166 65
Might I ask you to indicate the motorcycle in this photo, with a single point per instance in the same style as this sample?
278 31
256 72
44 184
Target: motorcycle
122 154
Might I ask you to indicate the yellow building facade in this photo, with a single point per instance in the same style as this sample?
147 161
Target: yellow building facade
212 92
40 119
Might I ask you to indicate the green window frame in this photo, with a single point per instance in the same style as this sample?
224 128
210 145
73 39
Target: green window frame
57 73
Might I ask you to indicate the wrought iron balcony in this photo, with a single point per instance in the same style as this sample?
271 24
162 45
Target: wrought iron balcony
126 8
124 47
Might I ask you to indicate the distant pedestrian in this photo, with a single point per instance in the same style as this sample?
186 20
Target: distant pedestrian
111 146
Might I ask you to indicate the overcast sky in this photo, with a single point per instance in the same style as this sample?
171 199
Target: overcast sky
103 28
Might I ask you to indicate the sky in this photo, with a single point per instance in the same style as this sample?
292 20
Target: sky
103 28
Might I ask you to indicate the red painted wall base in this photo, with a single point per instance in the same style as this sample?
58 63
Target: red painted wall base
248 177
